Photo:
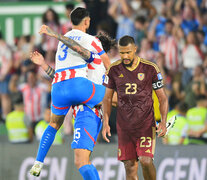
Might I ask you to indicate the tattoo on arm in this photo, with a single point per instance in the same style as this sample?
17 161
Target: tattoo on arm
50 72
71 44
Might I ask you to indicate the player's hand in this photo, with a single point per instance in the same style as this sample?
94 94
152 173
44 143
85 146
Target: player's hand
106 131
46 30
37 58
161 130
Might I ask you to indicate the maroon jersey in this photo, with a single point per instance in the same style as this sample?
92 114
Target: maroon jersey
134 90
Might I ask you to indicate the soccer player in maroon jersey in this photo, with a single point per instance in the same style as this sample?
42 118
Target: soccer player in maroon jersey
134 78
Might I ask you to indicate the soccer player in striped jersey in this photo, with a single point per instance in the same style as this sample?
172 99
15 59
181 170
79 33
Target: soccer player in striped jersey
88 121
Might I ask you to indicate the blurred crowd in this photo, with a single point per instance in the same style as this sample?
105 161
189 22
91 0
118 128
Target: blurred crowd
171 33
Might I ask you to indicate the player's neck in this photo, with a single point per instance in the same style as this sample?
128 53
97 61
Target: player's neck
80 28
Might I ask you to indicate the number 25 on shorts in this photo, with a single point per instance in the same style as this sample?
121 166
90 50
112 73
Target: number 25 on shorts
145 139
76 133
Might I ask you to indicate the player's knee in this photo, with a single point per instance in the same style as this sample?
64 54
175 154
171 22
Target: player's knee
131 167
56 121
145 161
79 162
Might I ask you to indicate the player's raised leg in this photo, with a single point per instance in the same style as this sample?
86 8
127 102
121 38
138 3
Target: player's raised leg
46 142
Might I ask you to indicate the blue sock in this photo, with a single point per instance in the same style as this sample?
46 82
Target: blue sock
45 142
95 171
87 172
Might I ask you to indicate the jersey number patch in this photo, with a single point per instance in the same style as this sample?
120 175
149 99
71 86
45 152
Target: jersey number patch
65 53
144 139
131 88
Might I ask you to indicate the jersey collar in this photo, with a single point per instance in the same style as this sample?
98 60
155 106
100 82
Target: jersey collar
132 69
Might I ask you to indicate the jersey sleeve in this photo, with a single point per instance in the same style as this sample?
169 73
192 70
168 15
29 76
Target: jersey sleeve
157 79
97 46
109 80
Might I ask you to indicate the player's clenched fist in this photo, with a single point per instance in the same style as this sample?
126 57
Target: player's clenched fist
47 30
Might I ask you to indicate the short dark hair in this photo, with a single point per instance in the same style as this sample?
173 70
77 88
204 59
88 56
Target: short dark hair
17 98
140 19
69 6
169 21
78 14
125 40
106 41
200 98
183 106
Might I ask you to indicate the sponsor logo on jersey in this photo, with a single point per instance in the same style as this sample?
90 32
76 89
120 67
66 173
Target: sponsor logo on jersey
106 80
159 76
148 151
119 152
121 75
140 76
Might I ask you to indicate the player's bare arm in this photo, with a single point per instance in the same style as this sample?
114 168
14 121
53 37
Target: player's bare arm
163 101
107 103
67 41
38 59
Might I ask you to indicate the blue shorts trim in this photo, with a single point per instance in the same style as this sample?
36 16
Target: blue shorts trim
73 67
86 129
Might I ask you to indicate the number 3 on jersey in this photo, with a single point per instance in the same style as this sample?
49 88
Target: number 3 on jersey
64 53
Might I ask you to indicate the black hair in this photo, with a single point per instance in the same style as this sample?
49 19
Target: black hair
55 15
201 32
27 38
106 41
1 35
77 15
169 21
140 19
69 6
200 98
182 106
125 40
17 98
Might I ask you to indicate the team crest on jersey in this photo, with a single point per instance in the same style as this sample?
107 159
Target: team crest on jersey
140 76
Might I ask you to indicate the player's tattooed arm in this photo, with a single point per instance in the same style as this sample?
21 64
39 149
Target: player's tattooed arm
38 59
86 54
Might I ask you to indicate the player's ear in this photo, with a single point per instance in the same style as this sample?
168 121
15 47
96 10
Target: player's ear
135 48
87 21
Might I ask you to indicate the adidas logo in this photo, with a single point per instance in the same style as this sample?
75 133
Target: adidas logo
148 151
121 75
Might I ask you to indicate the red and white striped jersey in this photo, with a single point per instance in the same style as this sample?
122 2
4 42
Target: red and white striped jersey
33 100
169 47
96 70
96 110
67 58
192 56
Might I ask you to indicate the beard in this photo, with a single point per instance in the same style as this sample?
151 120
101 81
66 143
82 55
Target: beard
128 65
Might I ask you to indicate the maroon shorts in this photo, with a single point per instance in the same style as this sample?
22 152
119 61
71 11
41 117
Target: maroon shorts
132 143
